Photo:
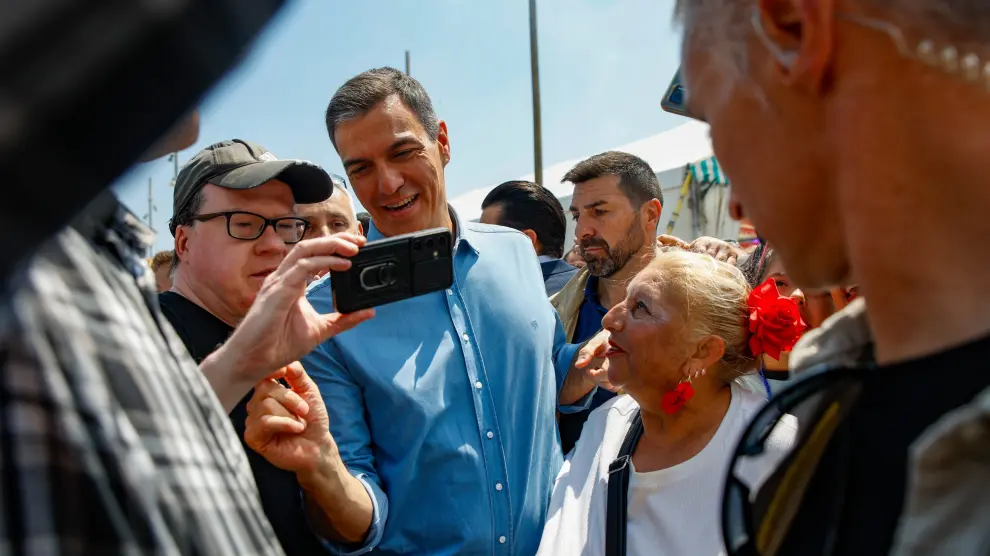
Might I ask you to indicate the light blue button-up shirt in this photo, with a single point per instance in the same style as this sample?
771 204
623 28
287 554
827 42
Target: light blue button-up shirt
443 404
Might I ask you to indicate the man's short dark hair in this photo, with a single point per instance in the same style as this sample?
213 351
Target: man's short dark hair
527 206
364 91
185 217
365 219
636 179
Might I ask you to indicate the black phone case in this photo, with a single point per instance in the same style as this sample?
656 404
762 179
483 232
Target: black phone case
394 269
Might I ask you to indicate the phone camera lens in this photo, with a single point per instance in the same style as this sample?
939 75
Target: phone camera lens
429 244
442 241
385 275
417 245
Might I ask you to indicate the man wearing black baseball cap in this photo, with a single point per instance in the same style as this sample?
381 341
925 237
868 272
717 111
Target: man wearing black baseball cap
238 165
234 221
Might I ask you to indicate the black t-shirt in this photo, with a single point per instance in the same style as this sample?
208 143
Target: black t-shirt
281 498
869 453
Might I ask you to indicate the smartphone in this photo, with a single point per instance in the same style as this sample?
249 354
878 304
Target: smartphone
675 97
393 269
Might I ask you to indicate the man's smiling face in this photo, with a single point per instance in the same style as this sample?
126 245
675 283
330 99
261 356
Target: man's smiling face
395 168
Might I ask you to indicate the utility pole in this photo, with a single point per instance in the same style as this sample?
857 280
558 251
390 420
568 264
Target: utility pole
534 63
151 204
407 63
148 217
174 159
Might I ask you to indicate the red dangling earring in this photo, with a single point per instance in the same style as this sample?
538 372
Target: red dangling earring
674 401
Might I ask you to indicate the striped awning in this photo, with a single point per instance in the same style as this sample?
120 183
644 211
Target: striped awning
708 171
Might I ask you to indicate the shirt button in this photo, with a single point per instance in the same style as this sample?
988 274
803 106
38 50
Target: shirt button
501 539
498 486
478 385
465 337
490 434
450 292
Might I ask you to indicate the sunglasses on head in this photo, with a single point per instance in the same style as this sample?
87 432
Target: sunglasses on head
675 99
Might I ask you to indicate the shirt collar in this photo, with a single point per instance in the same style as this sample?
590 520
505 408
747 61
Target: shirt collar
591 290
546 258
201 331
106 212
460 234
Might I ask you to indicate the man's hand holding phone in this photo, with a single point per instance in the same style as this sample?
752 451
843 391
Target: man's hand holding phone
282 326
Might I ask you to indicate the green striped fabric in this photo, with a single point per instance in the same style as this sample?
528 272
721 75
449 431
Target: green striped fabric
708 171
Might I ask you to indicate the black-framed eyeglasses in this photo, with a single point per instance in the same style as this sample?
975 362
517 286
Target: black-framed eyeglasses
249 226
781 451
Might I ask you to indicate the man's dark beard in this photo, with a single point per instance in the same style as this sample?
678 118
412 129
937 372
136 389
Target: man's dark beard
615 258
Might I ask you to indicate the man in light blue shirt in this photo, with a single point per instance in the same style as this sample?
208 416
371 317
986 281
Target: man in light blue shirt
442 437
443 405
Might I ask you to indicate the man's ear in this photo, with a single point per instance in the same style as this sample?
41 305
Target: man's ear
443 142
799 34
532 238
650 213
361 229
183 236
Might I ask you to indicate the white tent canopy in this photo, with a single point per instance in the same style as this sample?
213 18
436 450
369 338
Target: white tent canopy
670 150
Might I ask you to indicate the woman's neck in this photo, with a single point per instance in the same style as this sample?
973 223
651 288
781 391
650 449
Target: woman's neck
669 440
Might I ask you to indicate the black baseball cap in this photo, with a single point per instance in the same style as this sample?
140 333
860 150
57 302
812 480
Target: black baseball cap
239 164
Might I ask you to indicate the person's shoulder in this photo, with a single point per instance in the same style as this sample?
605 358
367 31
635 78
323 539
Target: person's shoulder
478 227
497 235
166 298
320 294
179 311
319 285
559 267
554 278
571 294
617 412
750 403
567 274
844 339
750 398
169 300
606 428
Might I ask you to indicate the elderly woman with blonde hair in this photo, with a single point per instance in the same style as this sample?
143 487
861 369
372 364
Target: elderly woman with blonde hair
647 472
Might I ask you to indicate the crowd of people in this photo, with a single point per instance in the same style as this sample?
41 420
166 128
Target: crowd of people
609 393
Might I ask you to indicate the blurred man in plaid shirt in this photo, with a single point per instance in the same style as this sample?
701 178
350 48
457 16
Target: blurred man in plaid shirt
112 440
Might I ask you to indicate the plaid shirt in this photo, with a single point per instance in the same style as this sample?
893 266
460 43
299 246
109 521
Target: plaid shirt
111 440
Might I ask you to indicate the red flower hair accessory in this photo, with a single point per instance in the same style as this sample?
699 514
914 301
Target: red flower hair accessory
774 321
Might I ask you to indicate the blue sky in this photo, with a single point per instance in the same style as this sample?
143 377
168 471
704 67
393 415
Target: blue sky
604 65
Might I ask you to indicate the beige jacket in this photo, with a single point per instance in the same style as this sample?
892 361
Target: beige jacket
947 506
568 301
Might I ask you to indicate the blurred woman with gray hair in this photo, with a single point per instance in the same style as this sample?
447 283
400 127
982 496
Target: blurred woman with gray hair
855 134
